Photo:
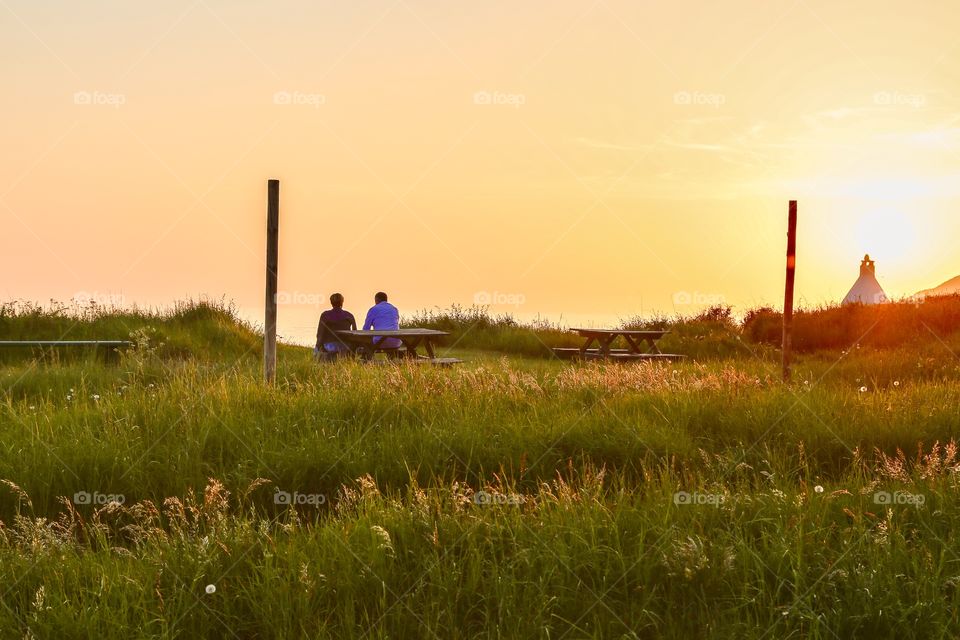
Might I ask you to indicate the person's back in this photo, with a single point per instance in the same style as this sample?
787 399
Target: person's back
331 321
383 316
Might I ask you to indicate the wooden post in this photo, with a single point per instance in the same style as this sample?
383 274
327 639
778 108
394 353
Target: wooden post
788 293
270 320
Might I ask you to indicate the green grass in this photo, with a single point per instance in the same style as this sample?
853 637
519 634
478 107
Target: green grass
512 497
834 328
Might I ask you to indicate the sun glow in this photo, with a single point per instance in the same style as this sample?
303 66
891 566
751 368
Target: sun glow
886 234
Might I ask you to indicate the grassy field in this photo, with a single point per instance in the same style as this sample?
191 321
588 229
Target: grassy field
172 495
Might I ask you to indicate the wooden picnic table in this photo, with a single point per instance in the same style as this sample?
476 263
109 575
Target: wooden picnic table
65 343
410 339
635 340
109 347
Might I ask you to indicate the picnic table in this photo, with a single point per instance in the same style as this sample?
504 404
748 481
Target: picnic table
635 340
410 341
109 347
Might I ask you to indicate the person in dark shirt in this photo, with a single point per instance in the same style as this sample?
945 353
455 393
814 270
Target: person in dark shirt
329 344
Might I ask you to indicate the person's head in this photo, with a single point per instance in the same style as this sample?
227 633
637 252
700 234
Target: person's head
336 301
380 297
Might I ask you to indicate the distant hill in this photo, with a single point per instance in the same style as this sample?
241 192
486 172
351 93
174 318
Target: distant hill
948 288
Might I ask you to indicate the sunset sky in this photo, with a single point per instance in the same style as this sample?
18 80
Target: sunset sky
590 159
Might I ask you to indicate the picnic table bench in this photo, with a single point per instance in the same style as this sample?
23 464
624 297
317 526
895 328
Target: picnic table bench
634 338
410 341
109 347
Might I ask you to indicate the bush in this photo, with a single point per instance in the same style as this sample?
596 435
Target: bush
840 327
205 329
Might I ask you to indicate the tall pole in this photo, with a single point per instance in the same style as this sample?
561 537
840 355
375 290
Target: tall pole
788 292
270 320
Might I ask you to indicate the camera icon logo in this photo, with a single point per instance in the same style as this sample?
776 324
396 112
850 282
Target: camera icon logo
482 97
482 497
682 298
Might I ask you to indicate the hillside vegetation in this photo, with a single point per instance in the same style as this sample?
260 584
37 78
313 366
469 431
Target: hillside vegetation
515 496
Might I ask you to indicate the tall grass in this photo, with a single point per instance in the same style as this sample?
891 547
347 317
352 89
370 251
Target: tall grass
593 556
507 498
838 327
207 329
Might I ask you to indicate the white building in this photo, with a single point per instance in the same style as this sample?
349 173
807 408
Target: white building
866 290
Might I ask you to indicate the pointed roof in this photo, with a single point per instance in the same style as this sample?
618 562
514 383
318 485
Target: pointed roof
866 290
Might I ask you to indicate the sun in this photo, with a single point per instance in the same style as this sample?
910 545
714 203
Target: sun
887 234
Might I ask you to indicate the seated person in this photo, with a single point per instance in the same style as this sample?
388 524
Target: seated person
329 344
383 316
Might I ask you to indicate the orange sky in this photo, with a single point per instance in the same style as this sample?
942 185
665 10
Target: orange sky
591 159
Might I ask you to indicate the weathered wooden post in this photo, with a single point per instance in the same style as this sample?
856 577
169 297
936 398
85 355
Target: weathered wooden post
788 293
270 320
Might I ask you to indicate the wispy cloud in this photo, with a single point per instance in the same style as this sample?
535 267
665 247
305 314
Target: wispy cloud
601 144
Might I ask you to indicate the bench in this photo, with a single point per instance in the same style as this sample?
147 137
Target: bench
569 353
442 362
616 355
636 357
109 347
438 362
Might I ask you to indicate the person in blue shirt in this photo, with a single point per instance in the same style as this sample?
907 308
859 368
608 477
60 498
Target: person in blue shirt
383 316
329 344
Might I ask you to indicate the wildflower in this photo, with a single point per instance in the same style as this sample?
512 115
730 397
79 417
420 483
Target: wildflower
896 383
95 396
818 489
384 542
211 589
863 389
